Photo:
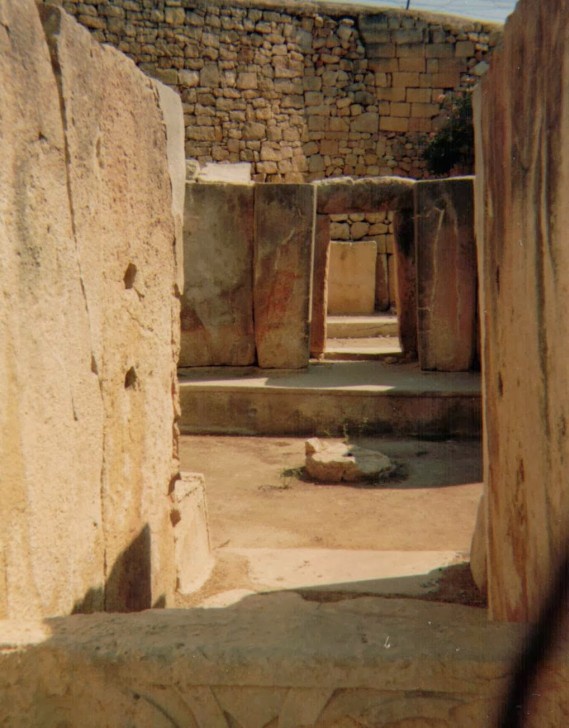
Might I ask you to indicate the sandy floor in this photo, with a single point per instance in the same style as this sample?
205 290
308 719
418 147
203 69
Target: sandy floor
257 497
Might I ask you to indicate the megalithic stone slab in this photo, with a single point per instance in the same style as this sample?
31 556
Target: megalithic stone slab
446 274
320 286
217 305
351 280
285 217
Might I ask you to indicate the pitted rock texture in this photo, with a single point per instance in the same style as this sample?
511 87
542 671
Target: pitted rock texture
522 210
338 462
89 325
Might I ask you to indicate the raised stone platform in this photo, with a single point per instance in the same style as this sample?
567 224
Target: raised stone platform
331 398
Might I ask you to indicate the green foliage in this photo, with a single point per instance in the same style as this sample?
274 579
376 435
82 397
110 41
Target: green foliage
453 145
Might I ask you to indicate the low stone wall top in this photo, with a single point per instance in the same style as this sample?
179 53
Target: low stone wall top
268 659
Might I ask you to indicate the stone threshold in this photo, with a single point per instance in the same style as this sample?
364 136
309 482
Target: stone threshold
273 660
356 327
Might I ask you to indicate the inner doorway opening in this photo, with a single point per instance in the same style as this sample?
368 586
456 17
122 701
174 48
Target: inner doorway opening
362 320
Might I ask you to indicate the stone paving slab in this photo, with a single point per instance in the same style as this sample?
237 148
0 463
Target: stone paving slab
407 573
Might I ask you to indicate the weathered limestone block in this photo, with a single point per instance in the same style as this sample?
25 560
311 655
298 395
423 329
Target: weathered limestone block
194 560
52 413
217 306
320 286
89 326
118 156
446 274
371 194
522 221
351 278
284 241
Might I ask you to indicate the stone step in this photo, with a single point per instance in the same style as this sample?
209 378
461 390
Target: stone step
377 347
355 327
330 399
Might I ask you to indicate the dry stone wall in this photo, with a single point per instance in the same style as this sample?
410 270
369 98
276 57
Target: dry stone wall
89 212
522 210
300 90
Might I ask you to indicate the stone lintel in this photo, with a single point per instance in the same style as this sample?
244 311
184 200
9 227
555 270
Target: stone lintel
370 194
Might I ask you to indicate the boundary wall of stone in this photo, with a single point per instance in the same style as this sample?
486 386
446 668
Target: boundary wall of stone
91 197
303 92
522 210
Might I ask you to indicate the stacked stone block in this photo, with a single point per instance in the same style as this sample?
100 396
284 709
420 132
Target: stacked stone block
302 92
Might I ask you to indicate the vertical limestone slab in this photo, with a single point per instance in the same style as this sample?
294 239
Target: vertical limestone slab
523 134
120 194
351 278
284 240
446 274
194 560
402 270
217 305
51 411
320 286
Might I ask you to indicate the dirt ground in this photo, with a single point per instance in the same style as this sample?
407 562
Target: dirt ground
258 497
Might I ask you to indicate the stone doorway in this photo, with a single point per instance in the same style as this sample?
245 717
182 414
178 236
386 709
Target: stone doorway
362 289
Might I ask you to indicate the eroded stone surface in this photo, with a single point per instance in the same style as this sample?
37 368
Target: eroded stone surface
284 240
447 279
336 462
387 662
217 306
89 325
522 222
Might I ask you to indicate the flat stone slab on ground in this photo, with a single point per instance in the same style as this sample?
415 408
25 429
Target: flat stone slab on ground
408 573
336 462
